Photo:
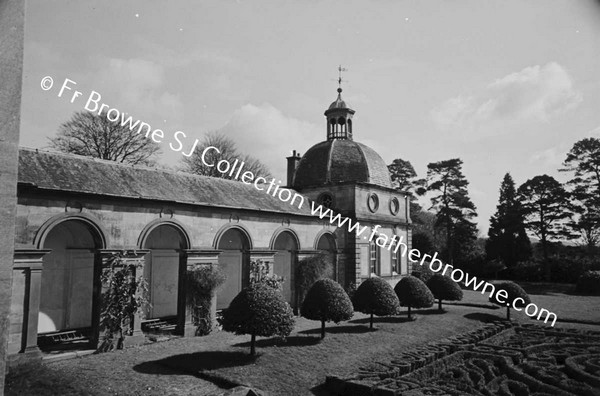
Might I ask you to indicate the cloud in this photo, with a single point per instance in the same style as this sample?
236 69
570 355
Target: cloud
536 93
269 135
595 132
139 86
549 158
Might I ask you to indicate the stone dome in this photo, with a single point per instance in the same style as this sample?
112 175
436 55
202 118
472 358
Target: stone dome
339 103
338 161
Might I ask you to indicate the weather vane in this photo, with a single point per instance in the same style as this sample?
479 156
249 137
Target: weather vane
340 70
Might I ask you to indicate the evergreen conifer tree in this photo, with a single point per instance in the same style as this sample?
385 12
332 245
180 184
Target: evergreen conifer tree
508 240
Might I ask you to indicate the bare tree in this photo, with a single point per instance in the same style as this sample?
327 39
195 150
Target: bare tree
228 151
94 135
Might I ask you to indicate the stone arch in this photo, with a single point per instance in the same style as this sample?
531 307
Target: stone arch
286 244
280 231
235 243
165 264
330 237
70 281
326 243
90 221
147 230
243 229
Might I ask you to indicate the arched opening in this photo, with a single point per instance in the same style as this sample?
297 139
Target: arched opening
326 245
164 266
342 123
284 263
334 128
235 263
69 281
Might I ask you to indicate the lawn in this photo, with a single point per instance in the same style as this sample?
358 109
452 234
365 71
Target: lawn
297 366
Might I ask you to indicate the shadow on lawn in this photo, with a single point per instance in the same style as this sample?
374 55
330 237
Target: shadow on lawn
196 362
482 317
381 319
338 330
547 288
283 342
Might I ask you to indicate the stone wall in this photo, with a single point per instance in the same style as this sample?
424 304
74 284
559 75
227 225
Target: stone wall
11 69
123 221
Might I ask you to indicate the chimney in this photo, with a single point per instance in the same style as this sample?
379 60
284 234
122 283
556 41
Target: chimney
292 164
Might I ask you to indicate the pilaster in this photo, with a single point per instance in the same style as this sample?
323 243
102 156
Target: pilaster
195 258
27 277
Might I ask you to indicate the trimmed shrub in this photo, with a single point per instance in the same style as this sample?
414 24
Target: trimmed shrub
413 293
350 290
201 282
567 269
514 291
259 310
527 271
444 288
422 272
308 271
327 301
589 283
375 297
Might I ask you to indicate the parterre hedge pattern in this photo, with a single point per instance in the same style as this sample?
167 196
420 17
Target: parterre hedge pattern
498 359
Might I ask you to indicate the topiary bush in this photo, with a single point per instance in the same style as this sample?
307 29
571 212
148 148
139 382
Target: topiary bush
201 282
258 310
514 291
375 296
308 271
422 272
328 302
413 293
444 288
589 283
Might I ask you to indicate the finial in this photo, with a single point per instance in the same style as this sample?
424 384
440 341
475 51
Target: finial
340 70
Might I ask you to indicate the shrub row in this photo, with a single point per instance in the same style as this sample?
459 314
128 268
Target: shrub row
260 309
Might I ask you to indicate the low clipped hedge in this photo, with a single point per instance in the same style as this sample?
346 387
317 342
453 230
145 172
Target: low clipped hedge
514 291
259 310
444 288
327 301
375 296
589 283
413 293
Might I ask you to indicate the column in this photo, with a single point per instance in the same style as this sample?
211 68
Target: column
25 307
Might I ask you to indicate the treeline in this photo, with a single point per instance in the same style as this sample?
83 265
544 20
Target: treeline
564 219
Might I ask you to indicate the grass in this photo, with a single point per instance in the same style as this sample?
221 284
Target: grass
296 366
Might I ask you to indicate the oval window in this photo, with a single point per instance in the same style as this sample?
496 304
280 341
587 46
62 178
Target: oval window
394 206
373 202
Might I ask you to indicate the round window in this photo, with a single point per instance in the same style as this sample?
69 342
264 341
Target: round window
325 200
394 206
373 202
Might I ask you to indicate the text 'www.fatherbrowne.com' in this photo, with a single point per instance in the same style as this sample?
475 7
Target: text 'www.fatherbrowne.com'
435 264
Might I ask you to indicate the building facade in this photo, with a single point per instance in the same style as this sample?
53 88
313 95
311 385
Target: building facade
74 212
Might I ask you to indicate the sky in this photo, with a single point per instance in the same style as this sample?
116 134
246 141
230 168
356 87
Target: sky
507 86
